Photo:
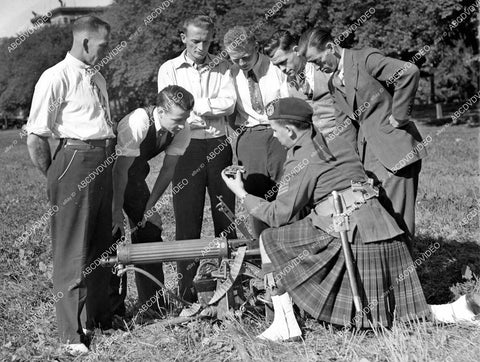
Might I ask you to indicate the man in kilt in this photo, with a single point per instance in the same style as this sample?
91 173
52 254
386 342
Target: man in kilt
303 259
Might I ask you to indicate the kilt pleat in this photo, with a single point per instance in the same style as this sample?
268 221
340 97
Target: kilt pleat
310 265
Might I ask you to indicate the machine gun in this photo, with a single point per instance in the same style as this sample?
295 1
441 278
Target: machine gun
232 280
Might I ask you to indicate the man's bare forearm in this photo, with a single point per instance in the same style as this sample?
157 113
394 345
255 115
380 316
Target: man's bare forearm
39 150
120 180
163 180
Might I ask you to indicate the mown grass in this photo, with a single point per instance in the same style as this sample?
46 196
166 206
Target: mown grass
448 192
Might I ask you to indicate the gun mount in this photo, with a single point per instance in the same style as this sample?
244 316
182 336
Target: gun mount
232 280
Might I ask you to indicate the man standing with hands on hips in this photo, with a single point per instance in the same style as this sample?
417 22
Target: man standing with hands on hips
70 102
388 143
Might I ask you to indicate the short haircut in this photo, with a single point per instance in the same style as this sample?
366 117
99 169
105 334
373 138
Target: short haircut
238 37
174 94
283 40
90 24
319 37
303 42
293 122
199 20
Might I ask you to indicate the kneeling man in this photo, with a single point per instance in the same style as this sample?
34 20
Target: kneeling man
303 259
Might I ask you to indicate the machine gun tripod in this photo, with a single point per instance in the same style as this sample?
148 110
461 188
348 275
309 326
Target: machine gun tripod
233 283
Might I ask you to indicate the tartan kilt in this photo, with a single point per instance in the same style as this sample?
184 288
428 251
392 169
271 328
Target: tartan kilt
310 265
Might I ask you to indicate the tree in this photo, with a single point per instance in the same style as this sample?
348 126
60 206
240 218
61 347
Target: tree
149 31
20 68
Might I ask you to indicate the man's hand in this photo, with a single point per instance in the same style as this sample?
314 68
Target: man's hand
39 150
396 123
156 220
197 122
215 132
235 184
153 217
117 222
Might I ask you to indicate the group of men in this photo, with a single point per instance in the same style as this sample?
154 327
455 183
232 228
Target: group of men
203 100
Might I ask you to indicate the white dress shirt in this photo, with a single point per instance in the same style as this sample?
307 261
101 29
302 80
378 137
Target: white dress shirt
212 89
309 75
273 85
341 69
133 129
65 104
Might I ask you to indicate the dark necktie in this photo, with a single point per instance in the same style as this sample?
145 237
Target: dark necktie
161 137
255 94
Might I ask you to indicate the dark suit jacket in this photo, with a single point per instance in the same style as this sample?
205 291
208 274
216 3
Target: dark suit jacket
368 102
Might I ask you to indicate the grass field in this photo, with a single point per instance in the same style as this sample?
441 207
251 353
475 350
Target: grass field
448 194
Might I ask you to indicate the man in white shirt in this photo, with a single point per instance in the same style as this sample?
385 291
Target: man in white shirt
257 83
70 103
209 152
142 135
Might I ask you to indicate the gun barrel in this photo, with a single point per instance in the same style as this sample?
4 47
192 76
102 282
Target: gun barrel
149 253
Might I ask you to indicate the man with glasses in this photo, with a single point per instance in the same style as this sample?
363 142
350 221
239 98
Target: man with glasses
257 82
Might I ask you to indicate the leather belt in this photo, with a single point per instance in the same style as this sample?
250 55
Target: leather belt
90 143
353 196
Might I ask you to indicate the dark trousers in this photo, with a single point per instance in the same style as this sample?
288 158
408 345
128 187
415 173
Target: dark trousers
81 232
135 199
199 169
400 189
263 157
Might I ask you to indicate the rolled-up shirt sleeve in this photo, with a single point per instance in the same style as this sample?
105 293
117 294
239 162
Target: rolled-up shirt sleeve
48 97
180 142
132 130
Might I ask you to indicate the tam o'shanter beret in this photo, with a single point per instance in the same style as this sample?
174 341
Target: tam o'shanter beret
290 108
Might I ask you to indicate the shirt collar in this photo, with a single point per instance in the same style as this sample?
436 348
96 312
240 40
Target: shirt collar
340 65
70 59
258 66
183 59
156 119
158 126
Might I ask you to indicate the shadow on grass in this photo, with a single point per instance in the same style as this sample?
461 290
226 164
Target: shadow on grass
470 120
441 273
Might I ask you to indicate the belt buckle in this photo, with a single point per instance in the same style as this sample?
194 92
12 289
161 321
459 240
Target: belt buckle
341 223
366 188
357 185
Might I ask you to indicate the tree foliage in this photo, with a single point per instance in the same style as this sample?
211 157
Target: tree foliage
20 68
151 28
